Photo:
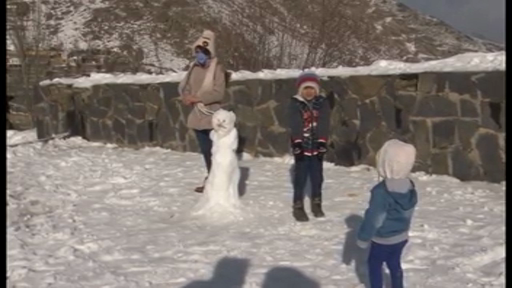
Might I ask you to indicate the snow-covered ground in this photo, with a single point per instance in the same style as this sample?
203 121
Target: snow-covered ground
84 214
472 62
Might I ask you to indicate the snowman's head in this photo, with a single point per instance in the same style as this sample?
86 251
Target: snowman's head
223 121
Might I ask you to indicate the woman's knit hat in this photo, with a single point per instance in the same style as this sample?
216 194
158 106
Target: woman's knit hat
308 79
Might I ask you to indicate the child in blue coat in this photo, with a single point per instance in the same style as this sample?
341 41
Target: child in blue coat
388 218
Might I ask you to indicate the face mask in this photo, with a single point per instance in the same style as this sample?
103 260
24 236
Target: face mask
201 58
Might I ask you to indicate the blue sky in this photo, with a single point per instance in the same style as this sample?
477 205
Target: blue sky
475 17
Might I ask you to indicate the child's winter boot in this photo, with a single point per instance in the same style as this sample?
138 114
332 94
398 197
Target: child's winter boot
299 213
316 208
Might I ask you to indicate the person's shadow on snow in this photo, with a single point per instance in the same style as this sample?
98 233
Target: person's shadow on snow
228 273
287 277
353 253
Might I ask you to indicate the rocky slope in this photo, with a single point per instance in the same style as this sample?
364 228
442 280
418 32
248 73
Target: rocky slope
257 34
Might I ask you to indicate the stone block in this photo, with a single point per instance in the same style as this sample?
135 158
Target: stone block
443 134
427 84
436 106
248 137
93 130
277 139
490 116
466 130
137 111
247 115
143 132
468 108
491 155
119 129
389 112
406 83
366 87
377 137
440 163
337 86
464 166
460 83
265 93
370 117
492 86
421 138
281 114
350 106
266 115
284 89
165 132
153 95
107 131
243 93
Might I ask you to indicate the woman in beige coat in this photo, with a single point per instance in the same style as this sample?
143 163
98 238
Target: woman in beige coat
203 87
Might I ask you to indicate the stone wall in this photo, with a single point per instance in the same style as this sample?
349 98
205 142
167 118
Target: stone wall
456 120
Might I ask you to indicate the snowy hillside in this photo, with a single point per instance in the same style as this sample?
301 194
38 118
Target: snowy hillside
258 34
84 214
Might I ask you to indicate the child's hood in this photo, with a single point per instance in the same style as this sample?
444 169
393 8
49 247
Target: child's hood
395 159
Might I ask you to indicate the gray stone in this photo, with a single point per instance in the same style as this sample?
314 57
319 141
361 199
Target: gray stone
265 114
491 155
466 130
491 115
131 139
242 94
422 139
350 106
406 83
279 140
388 112
366 87
427 83
492 86
107 130
248 136
377 137
338 87
436 106
93 129
119 129
164 129
143 132
137 111
266 93
440 163
463 167
281 113
97 112
443 134
284 89
461 83
406 102
370 118
468 108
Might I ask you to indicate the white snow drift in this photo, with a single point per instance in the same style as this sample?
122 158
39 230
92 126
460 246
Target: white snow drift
473 62
84 214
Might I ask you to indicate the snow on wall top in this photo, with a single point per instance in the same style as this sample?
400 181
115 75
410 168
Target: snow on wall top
467 62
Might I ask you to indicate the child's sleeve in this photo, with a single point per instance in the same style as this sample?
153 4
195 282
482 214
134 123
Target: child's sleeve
373 217
295 121
324 122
